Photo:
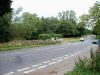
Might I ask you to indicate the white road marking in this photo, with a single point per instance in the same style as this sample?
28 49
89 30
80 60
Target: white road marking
54 59
46 61
65 57
23 69
29 71
52 63
42 67
10 73
60 57
60 60
37 65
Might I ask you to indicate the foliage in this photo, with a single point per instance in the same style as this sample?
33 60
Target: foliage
4 28
67 15
49 36
5 19
44 36
87 66
96 29
5 7
67 28
56 35
95 11
81 28
95 15
28 26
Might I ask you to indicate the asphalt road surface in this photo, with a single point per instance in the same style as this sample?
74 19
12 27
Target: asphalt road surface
13 61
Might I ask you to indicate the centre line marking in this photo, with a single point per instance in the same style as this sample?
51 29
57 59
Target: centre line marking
42 67
30 71
23 69
46 62
37 65
59 60
52 63
10 73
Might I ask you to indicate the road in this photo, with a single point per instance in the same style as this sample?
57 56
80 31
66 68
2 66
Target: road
19 60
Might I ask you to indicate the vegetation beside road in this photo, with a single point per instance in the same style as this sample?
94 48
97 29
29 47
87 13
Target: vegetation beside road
29 26
88 66
19 44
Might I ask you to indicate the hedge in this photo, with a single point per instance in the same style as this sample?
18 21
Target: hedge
49 36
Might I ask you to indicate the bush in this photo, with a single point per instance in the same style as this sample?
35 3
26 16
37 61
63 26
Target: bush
31 36
44 36
49 36
56 35
28 36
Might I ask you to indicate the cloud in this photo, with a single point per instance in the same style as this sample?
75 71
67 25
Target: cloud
52 7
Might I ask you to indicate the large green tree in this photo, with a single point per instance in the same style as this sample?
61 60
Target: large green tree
67 15
5 19
49 25
5 7
95 16
67 28
28 26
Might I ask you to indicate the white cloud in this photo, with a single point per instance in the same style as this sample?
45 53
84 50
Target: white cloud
52 7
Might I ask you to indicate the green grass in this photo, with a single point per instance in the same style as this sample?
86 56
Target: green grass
6 48
77 39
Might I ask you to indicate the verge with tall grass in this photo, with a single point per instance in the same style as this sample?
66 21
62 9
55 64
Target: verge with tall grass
87 66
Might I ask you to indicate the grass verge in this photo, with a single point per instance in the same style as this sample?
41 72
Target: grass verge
72 39
87 66
19 44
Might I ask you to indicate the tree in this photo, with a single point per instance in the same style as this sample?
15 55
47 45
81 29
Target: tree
49 25
67 28
31 24
5 19
95 11
96 29
67 15
95 16
15 15
81 28
67 23
5 7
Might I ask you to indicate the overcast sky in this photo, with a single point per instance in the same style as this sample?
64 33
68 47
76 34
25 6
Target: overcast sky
49 8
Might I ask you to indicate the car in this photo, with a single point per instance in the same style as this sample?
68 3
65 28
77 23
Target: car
95 42
81 39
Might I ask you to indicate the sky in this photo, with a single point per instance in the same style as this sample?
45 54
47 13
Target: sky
48 8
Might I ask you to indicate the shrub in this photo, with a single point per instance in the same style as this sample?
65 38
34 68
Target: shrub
44 36
31 36
56 35
28 36
49 36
